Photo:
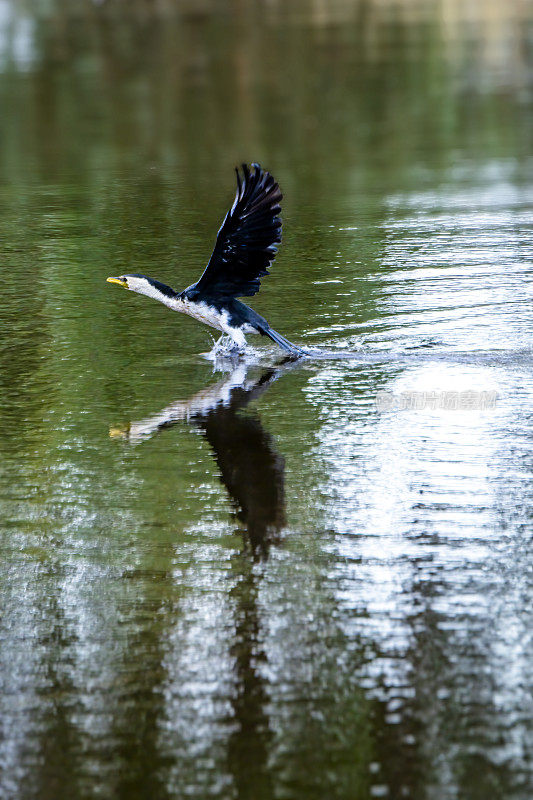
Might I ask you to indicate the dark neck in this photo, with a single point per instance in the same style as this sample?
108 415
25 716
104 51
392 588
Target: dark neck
168 291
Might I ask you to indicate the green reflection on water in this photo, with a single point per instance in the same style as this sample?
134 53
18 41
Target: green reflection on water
196 613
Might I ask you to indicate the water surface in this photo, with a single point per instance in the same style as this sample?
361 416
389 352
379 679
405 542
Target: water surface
263 580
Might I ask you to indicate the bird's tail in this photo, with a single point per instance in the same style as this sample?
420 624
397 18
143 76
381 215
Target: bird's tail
291 348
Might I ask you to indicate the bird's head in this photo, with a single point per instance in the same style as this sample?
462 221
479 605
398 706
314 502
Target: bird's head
135 283
142 284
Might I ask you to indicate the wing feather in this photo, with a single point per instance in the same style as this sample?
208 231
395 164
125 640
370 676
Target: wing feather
247 239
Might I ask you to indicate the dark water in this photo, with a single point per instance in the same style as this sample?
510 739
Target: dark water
261 581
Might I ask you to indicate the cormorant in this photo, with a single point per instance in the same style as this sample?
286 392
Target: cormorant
244 249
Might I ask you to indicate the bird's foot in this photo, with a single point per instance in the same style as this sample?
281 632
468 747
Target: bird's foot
235 349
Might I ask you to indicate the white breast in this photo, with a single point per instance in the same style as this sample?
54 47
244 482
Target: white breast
212 317
204 313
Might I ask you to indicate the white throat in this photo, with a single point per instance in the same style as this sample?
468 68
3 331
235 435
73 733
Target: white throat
142 286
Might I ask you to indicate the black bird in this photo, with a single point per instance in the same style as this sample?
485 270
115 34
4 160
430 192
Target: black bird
244 250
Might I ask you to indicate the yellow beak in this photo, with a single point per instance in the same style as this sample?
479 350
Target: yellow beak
119 281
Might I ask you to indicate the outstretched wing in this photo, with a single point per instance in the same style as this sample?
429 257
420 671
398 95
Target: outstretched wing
246 241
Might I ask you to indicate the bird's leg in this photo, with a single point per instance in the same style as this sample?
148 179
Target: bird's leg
238 342
222 344
229 343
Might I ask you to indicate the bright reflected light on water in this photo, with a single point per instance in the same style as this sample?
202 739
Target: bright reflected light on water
421 534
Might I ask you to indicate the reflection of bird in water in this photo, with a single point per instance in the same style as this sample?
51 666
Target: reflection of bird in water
250 467
244 249
252 471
